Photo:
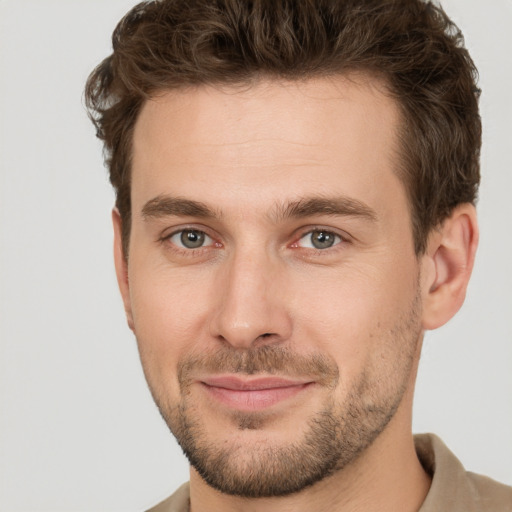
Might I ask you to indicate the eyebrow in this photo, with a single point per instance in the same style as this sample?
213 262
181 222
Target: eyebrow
164 206
335 206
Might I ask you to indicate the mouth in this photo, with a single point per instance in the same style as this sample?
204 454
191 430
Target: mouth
252 394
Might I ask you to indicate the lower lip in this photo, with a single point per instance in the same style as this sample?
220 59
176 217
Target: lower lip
255 399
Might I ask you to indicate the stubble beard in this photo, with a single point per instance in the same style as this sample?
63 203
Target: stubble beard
332 438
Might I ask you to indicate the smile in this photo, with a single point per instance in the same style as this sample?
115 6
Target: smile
252 394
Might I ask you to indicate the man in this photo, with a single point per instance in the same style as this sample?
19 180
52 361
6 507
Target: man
295 206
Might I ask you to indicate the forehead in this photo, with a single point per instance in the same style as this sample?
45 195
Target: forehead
267 140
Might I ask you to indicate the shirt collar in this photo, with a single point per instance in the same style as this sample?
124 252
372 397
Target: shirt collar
451 488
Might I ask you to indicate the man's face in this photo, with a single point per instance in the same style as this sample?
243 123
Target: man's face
273 285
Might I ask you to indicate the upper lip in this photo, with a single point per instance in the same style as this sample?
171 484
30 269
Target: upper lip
237 383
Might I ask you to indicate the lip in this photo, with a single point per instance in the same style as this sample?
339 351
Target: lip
252 394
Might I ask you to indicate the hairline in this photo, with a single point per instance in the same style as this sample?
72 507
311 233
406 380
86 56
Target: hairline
375 79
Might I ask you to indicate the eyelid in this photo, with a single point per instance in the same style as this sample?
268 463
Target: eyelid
344 238
168 234
175 239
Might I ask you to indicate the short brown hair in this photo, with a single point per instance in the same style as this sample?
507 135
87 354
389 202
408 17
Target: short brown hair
168 44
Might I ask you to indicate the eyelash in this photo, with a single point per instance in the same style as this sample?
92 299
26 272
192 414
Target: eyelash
188 252
340 240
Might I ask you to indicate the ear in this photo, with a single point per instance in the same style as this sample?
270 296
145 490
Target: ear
121 265
447 265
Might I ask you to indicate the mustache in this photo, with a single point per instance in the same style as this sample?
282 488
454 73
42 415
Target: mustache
269 359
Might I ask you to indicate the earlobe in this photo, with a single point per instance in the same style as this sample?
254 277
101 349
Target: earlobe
121 265
447 266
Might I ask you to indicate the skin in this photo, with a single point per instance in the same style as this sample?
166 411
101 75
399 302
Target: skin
257 283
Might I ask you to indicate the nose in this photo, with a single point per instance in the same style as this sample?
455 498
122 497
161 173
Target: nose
251 307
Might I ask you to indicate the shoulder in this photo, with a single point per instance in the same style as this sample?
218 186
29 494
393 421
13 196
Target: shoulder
179 501
490 494
455 489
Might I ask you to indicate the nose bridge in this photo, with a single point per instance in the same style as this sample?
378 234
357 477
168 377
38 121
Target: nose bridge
249 309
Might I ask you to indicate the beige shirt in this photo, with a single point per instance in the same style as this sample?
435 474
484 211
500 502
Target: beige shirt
453 488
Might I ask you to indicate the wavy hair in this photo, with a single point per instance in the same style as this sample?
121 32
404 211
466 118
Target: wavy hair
412 44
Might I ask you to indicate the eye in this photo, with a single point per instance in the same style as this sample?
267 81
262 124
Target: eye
190 239
319 239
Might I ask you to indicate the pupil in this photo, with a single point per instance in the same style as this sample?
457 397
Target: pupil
322 240
192 239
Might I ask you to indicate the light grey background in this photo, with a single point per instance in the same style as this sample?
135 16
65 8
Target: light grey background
78 429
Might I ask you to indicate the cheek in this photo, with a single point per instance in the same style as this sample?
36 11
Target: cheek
356 315
169 316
